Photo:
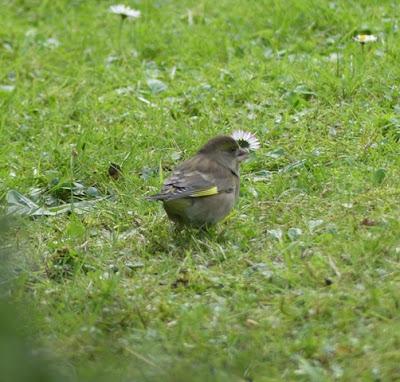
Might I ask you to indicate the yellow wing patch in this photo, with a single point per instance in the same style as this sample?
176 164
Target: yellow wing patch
208 192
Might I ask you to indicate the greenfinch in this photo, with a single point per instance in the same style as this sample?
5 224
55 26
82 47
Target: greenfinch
203 190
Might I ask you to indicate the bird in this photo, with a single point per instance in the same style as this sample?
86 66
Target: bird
202 190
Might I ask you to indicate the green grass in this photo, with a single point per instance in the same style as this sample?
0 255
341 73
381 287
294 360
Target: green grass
302 282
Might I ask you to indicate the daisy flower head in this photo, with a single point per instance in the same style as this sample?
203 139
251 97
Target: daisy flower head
365 38
124 11
246 140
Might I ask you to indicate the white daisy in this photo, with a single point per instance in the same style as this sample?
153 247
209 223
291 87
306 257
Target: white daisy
365 38
51 43
246 140
7 88
124 11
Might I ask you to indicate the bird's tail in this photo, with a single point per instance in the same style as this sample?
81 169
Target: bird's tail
155 197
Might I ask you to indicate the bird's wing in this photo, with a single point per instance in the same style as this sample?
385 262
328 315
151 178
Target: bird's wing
194 179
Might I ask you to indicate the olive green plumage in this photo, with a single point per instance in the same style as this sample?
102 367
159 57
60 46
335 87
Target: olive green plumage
203 190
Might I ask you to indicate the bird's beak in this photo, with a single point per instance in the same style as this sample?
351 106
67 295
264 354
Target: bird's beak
242 155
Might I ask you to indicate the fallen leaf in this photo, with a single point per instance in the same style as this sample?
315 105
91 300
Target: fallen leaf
294 165
368 222
313 224
250 322
275 233
114 171
379 176
275 154
19 204
294 233
262 176
156 86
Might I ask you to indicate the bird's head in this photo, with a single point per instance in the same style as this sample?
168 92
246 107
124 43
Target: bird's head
225 150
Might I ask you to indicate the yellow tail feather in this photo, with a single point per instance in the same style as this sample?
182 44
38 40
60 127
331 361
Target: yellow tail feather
208 192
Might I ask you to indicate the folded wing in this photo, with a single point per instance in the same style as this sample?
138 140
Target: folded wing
194 179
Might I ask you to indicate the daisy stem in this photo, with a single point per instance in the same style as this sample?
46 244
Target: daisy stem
134 34
120 34
337 64
352 65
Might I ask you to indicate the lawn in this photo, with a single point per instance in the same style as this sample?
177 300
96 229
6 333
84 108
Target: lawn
300 283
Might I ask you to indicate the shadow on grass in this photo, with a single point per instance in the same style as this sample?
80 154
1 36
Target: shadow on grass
24 357
181 241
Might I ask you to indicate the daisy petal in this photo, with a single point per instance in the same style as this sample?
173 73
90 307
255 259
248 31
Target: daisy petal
245 139
124 11
365 38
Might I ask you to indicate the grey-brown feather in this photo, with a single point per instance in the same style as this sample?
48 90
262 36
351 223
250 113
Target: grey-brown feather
200 211
202 172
